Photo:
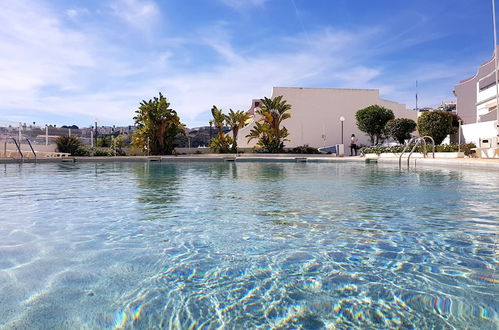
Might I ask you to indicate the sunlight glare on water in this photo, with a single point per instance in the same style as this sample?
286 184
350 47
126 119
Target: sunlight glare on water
247 245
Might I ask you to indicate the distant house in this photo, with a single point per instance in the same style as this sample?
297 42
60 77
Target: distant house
316 112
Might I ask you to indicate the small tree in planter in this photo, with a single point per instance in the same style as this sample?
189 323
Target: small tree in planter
438 124
400 129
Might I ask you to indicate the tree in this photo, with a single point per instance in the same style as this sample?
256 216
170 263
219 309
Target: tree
220 143
118 143
268 129
236 120
104 141
400 129
372 121
438 124
157 126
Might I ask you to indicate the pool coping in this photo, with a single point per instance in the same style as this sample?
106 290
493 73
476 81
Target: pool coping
460 162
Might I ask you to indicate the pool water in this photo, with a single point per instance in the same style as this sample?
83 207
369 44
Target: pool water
247 245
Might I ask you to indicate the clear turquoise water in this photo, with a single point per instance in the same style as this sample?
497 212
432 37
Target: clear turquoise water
247 245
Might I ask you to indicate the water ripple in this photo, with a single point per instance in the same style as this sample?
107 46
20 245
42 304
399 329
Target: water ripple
247 245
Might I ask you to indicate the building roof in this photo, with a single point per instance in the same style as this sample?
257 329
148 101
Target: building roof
326 88
478 70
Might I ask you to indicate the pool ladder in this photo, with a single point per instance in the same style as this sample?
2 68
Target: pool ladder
18 146
417 140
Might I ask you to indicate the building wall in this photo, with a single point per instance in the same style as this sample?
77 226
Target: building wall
472 133
468 93
316 112
486 102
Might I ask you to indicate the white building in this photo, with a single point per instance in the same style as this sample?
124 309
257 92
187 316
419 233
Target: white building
477 106
316 112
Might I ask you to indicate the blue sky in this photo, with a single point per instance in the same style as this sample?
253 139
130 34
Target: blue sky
71 61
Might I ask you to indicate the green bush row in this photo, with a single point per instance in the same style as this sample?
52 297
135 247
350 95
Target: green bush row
97 152
305 149
466 148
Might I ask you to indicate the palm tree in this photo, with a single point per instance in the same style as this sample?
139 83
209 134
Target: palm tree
220 143
218 119
236 120
268 129
157 126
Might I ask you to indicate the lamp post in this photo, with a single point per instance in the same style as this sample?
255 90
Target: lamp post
342 119
96 131
459 136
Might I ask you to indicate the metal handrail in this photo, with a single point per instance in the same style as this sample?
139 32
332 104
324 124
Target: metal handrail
419 140
432 142
405 149
32 150
18 148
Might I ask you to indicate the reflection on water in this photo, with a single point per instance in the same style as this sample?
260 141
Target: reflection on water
247 245
157 184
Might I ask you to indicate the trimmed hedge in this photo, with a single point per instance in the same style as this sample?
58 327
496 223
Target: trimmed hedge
305 149
466 148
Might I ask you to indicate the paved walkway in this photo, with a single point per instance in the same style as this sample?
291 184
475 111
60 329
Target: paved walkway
468 162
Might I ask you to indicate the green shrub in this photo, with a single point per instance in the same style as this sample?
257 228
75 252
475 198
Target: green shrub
438 124
305 149
103 153
120 152
221 144
400 129
83 151
70 144
466 148
104 141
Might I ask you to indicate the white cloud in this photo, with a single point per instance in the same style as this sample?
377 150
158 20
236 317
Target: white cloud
243 4
42 60
239 79
55 70
52 70
141 14
36 51
77 12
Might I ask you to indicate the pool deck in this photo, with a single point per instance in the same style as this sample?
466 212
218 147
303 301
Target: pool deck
465 162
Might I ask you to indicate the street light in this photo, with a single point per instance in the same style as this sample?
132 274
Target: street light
342 119
459 131
96 120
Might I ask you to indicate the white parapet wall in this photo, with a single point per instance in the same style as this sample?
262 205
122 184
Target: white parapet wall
472 133
484 135
418 155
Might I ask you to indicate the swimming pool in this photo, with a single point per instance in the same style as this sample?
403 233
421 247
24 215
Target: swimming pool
247 245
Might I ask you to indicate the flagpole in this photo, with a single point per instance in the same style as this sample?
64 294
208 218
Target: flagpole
416 95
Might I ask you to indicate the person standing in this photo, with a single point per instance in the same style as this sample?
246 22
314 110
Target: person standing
353 145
